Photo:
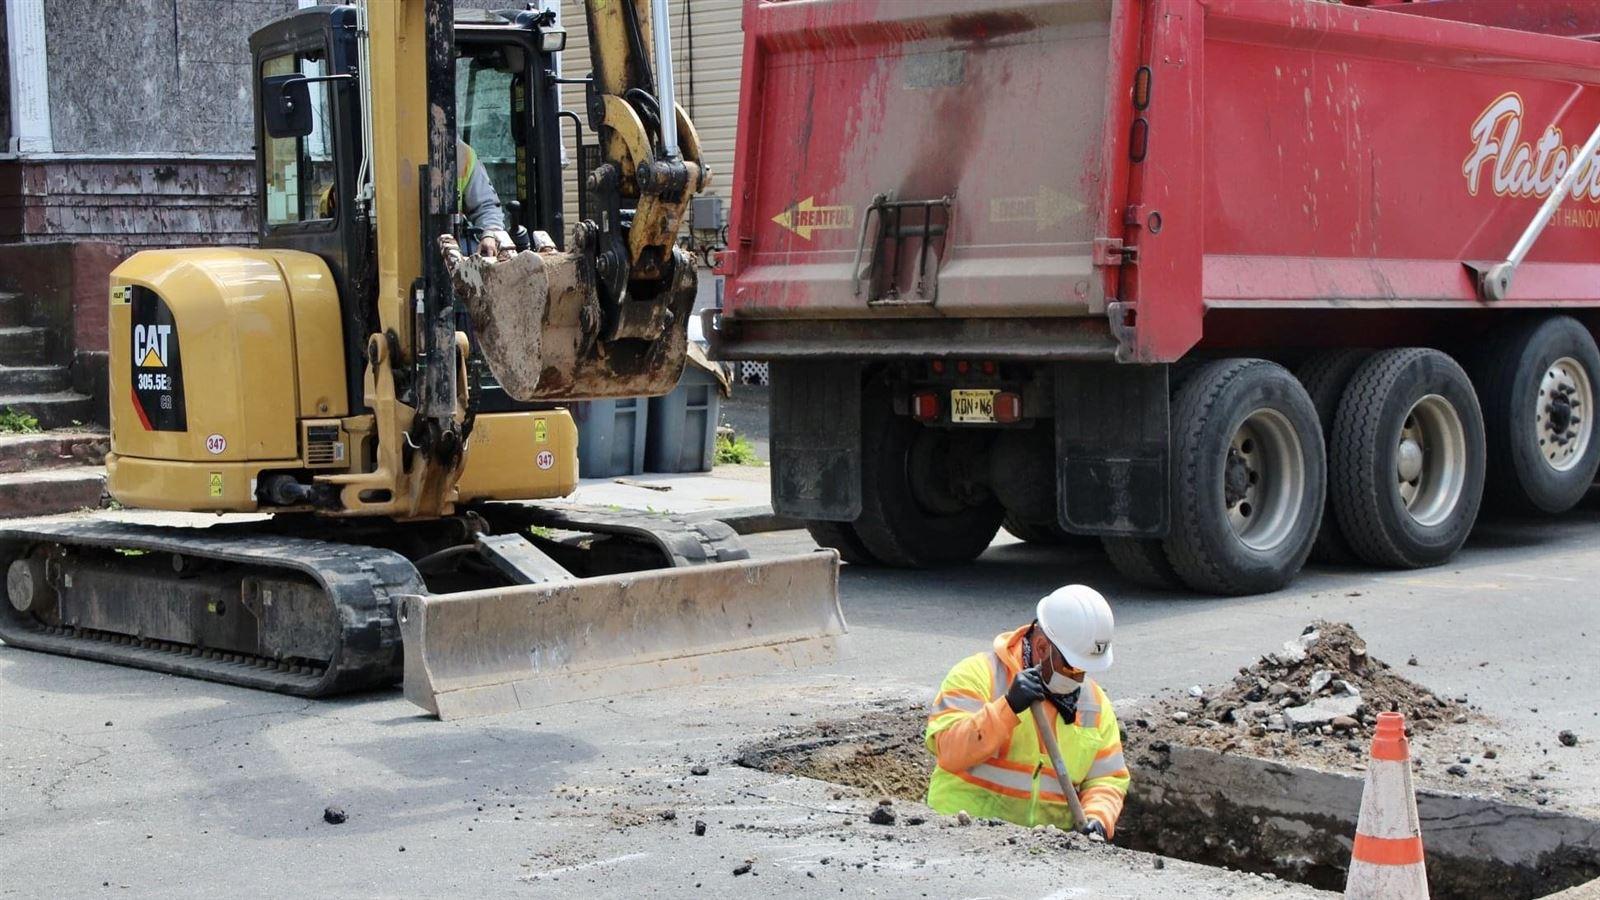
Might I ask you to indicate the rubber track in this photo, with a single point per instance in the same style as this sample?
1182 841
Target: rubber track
1190 410
360 581
685 542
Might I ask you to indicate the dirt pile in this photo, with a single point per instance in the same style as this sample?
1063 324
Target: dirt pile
1320 694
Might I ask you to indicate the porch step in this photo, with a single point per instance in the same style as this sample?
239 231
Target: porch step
33 379
48 491
13 309
24 345
52 450
58 409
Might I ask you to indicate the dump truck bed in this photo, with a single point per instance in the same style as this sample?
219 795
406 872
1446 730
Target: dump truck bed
1102 174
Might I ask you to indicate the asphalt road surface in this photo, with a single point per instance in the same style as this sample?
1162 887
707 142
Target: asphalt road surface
131 784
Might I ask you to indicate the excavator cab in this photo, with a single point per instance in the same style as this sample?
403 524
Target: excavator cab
309 186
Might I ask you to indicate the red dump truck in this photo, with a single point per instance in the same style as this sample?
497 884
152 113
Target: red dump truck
1226 283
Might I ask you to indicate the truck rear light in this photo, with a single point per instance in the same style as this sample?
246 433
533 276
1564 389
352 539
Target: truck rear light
925 406
937 366
1141 88
988 367
1007 407
963 367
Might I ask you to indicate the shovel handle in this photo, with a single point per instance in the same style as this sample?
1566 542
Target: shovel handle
1047 732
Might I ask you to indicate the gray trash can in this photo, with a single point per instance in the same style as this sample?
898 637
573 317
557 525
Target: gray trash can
683 425
611 435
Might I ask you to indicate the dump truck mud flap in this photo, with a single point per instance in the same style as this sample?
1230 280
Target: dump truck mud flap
493 651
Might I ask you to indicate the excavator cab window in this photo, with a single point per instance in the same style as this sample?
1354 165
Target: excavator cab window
485 116
299 172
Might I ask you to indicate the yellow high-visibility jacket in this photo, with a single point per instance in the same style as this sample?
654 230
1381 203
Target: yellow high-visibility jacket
993 763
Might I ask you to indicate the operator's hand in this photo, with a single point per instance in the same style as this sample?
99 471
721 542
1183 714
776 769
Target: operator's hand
1026 689
488 246
1095 830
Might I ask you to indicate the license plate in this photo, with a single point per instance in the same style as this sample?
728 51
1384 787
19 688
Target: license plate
972 406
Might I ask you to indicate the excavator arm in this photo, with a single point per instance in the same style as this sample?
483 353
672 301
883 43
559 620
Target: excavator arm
608 317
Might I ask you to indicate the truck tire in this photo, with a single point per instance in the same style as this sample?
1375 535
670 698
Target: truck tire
1143 562
1407 458
1045 534
1249 477
1537 386
1324 377
910 518
842 537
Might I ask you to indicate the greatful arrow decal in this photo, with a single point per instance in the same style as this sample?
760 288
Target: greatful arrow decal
805 217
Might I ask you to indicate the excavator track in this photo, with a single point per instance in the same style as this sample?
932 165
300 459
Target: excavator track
357 618
682 541
354 618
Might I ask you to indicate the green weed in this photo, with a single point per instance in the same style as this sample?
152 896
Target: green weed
13 422
736 452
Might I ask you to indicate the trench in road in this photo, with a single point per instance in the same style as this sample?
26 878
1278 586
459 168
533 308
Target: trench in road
1236 811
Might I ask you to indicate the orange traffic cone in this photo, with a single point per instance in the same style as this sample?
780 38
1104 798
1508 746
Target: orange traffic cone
1387 859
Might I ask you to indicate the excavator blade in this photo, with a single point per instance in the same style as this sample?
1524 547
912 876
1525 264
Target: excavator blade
524 647
538 322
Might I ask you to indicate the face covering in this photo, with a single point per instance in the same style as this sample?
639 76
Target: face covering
1061 685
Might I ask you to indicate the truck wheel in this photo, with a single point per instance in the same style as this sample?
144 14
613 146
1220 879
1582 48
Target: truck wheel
1143 562
1324 377
922 500
842 537
1407 458
1537 386
1047 534
1249 478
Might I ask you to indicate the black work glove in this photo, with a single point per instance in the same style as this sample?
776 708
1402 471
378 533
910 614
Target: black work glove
1026 689
1095 829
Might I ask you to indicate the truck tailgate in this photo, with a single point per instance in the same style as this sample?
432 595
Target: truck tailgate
981 127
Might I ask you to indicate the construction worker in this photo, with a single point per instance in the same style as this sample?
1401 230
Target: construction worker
992 762
480 203
475 195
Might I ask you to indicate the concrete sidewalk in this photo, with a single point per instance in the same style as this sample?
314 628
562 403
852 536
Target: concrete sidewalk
738 495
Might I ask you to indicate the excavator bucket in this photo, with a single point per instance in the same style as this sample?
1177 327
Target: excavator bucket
523 647
539 323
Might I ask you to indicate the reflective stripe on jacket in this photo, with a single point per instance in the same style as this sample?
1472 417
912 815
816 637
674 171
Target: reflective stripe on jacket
475 194
993 763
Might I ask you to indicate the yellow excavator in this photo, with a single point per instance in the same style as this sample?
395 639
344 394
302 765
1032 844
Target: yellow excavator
385 393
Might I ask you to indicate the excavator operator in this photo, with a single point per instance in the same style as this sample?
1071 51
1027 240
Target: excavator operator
480 203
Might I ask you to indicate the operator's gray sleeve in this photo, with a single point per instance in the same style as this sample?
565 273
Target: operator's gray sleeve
481 203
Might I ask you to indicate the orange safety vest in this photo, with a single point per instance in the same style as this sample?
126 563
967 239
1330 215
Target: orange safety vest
1018 783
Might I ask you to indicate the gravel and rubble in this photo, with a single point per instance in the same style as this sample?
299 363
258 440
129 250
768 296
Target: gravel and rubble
1319 693
1315 701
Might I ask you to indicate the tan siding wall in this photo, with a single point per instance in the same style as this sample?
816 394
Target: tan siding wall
714 103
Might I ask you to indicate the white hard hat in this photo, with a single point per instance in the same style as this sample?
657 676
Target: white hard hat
1077 620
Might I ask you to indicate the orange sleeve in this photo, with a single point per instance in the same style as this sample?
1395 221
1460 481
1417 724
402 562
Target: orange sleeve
975 738
1103 804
